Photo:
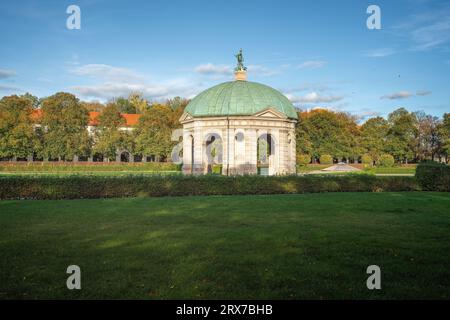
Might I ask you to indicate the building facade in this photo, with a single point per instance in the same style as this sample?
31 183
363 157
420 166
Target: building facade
241 127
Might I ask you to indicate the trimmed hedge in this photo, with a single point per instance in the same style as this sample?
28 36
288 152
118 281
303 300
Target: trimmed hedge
386 160
87 167
76 187
433 176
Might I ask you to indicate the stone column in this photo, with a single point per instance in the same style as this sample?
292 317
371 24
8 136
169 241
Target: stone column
228 151
251 140
198 166
187 152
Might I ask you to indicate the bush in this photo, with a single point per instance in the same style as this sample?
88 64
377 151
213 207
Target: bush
86 186
386 160
367 160
217 169
433 176
49 166
326 159
303 159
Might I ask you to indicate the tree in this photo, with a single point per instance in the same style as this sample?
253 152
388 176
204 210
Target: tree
400 140
93 106
64 121
367 160
108 137
326 132
177 103
386 160
153 131
427 139
444 136
17 138
138 102
373 137
124 105
35 101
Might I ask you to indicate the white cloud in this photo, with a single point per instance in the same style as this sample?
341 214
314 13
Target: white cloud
227 70
117 81
312 64
428 29
314 97
150 91
379 53
8 88
104 71
5 73
365 114
423 93
259 70
397 95
214 69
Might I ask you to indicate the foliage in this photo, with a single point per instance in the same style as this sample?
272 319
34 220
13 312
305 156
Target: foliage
109 139
400 136
433 176
326 159
373 136
303 159
17 138
138 102
325 132
153 134
367 160
65 122
386 160
83 186
217 169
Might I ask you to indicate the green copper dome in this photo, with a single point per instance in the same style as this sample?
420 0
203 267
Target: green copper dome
235 98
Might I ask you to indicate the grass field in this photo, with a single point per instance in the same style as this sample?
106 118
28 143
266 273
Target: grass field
314 246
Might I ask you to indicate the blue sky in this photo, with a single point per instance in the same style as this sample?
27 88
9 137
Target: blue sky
319 53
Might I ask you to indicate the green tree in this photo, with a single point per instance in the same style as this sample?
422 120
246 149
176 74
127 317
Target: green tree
153 131
325 132
177 103
17 138
400 141
35 101
64 121
373 137
138 102
444 136
124 105
108 137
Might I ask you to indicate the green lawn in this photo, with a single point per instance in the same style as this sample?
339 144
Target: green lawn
314 246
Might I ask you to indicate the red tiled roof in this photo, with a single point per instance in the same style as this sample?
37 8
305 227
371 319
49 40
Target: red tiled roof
130 119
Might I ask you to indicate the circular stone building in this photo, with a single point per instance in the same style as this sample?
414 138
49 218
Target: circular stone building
239 127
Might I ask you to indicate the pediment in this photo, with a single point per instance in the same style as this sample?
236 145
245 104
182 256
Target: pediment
185 117
270 113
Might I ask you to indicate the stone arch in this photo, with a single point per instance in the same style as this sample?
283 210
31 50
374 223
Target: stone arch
124 156
239 146
266 150
212 150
